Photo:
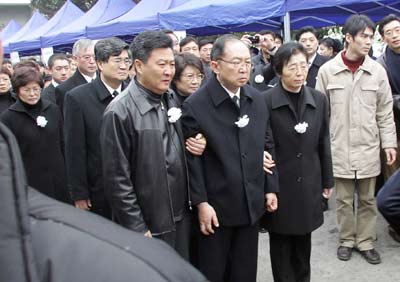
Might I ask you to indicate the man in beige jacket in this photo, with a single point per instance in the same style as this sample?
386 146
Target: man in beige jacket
361 121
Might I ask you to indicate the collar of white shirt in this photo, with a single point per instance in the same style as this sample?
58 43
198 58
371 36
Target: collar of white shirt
88 78
311 60
55 84
111 90
230 93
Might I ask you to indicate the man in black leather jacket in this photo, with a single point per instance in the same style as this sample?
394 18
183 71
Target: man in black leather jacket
143 152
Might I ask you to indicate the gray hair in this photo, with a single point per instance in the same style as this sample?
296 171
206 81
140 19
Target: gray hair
81 45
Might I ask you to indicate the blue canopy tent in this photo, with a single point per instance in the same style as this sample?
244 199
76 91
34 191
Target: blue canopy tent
142 17
31 42
9 30
101 12
34 22
222 16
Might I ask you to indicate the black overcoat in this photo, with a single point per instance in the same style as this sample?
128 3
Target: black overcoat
41 147
83 112
229 174
49 93
303 160
314 68
75 80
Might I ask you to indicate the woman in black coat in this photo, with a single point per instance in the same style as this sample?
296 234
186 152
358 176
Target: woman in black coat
300 130
6 97
37 126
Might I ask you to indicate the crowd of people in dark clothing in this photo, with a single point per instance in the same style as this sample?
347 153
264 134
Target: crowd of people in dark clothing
203 143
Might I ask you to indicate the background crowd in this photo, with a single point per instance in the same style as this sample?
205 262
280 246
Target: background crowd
194 141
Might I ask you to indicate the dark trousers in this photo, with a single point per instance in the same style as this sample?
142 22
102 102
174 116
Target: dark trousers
230 254
180 238
388 201
290 257
101 208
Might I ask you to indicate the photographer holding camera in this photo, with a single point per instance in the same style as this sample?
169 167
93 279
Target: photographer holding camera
265 41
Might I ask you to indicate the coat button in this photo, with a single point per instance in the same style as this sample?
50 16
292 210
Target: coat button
299 155
243 156
299 179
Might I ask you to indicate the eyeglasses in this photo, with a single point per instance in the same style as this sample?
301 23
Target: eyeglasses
237 63
119 61
192 76
392 32
35 90
87 57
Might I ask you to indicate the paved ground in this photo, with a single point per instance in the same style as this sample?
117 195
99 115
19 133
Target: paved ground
326 267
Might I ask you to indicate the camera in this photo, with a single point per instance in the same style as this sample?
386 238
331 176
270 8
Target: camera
254 39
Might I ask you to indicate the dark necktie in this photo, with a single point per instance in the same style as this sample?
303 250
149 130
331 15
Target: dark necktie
114 94
236 100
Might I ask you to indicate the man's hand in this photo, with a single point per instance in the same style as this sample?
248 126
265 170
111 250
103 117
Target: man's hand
207 218
196 145
246 40
327 193
83 204
148 234
268 163
271 202
391 155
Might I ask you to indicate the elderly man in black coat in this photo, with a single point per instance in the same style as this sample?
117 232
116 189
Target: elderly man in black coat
228 185
83 111
83 52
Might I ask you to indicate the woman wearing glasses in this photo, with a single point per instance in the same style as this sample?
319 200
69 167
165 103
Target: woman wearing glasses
37 126
189 75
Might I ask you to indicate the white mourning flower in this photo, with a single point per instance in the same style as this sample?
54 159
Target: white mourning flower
301 127
242 121
174 114
41 121
259 78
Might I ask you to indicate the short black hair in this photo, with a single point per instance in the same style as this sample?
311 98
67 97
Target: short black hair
285 52
55 57
5 71
267 31
333 43
277 35
385 21
205 42
186 59
217 51
187 40
306 29
143 44
357 23
105 48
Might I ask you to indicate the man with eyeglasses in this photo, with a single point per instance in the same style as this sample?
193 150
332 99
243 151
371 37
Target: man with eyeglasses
228 185
83 111
361 123
83 53
58 65
389 29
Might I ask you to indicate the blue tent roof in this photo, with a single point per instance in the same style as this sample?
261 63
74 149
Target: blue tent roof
34 22
31 41
222 16
142 17
336 12
101 12
9 30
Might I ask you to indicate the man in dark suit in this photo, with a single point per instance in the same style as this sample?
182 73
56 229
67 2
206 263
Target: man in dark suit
83 52
308 37
228 185
83 111
58 65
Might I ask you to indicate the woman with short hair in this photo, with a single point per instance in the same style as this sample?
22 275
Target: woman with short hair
6 96
37 126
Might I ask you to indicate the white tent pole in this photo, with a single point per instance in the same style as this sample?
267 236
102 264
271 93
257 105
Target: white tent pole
286 27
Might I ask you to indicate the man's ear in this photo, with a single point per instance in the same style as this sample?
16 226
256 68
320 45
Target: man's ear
214 66
138 66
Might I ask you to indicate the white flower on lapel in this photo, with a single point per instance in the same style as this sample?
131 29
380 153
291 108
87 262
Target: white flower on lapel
301 127
242 121
259 78
41 121
174 114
